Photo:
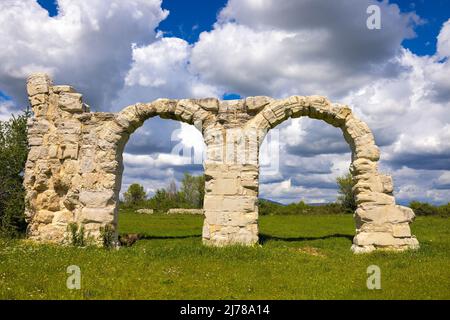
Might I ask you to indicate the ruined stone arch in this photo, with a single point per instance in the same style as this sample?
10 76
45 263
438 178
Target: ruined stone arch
74 168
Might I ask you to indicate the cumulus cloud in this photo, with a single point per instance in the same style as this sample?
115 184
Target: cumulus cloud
161 69
6 109
88 44
309 47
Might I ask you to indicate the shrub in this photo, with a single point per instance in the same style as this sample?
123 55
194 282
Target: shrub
426 209
346 195
13 155
135 194
77 237
107 234
271 208
189 197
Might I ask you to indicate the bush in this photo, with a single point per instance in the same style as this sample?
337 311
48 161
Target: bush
13 155
135 194
189 197
77 237
426 209
107 234
271 208
346 195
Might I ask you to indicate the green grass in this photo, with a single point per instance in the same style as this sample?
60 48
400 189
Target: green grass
302 257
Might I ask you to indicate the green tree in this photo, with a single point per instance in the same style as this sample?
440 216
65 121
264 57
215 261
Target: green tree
172 190
13 155
193 189
135 194
346 195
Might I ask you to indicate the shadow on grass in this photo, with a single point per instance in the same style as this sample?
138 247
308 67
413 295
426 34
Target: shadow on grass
263 238
149 237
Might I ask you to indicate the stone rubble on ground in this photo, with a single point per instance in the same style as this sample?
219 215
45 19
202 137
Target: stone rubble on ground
145 211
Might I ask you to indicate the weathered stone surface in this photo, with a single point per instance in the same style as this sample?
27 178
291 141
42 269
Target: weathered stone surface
60 89
38 83
71 102
384 214
209 104
74 166
377 198
384 239
44 216
145 211
101 215
96 199
256 104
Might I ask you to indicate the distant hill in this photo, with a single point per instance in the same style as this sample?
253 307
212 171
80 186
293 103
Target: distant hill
312 204
271 201
317 204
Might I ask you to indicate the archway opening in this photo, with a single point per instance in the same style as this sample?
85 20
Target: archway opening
162 185
300 161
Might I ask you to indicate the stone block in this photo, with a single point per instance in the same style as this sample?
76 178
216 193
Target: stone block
145 211
35 141
375 198
383 214
99 215
62 218
63 88
256 104
71 102
38 83
96 199
44 216
209 104
401 230
38 99
68 151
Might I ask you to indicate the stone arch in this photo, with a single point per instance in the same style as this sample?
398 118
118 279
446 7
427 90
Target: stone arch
74 168
116 133
380 223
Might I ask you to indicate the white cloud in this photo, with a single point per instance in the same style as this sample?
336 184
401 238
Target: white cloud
443 45
161 69
88 44
308 47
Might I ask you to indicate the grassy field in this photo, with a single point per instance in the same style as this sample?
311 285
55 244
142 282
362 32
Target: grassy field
301 257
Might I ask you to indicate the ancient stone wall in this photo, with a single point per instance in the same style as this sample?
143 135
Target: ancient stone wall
74 168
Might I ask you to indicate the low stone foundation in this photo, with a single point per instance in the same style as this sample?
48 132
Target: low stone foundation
184 211
145 211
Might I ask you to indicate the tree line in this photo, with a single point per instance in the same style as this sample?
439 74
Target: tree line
190 195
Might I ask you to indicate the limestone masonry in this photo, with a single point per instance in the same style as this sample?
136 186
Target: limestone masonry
74 168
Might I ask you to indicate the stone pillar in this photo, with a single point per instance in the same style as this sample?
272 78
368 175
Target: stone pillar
380 223
68 171
54 135
231 171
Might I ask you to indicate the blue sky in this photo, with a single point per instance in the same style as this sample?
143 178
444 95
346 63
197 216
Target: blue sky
119 52
188 19
435 13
